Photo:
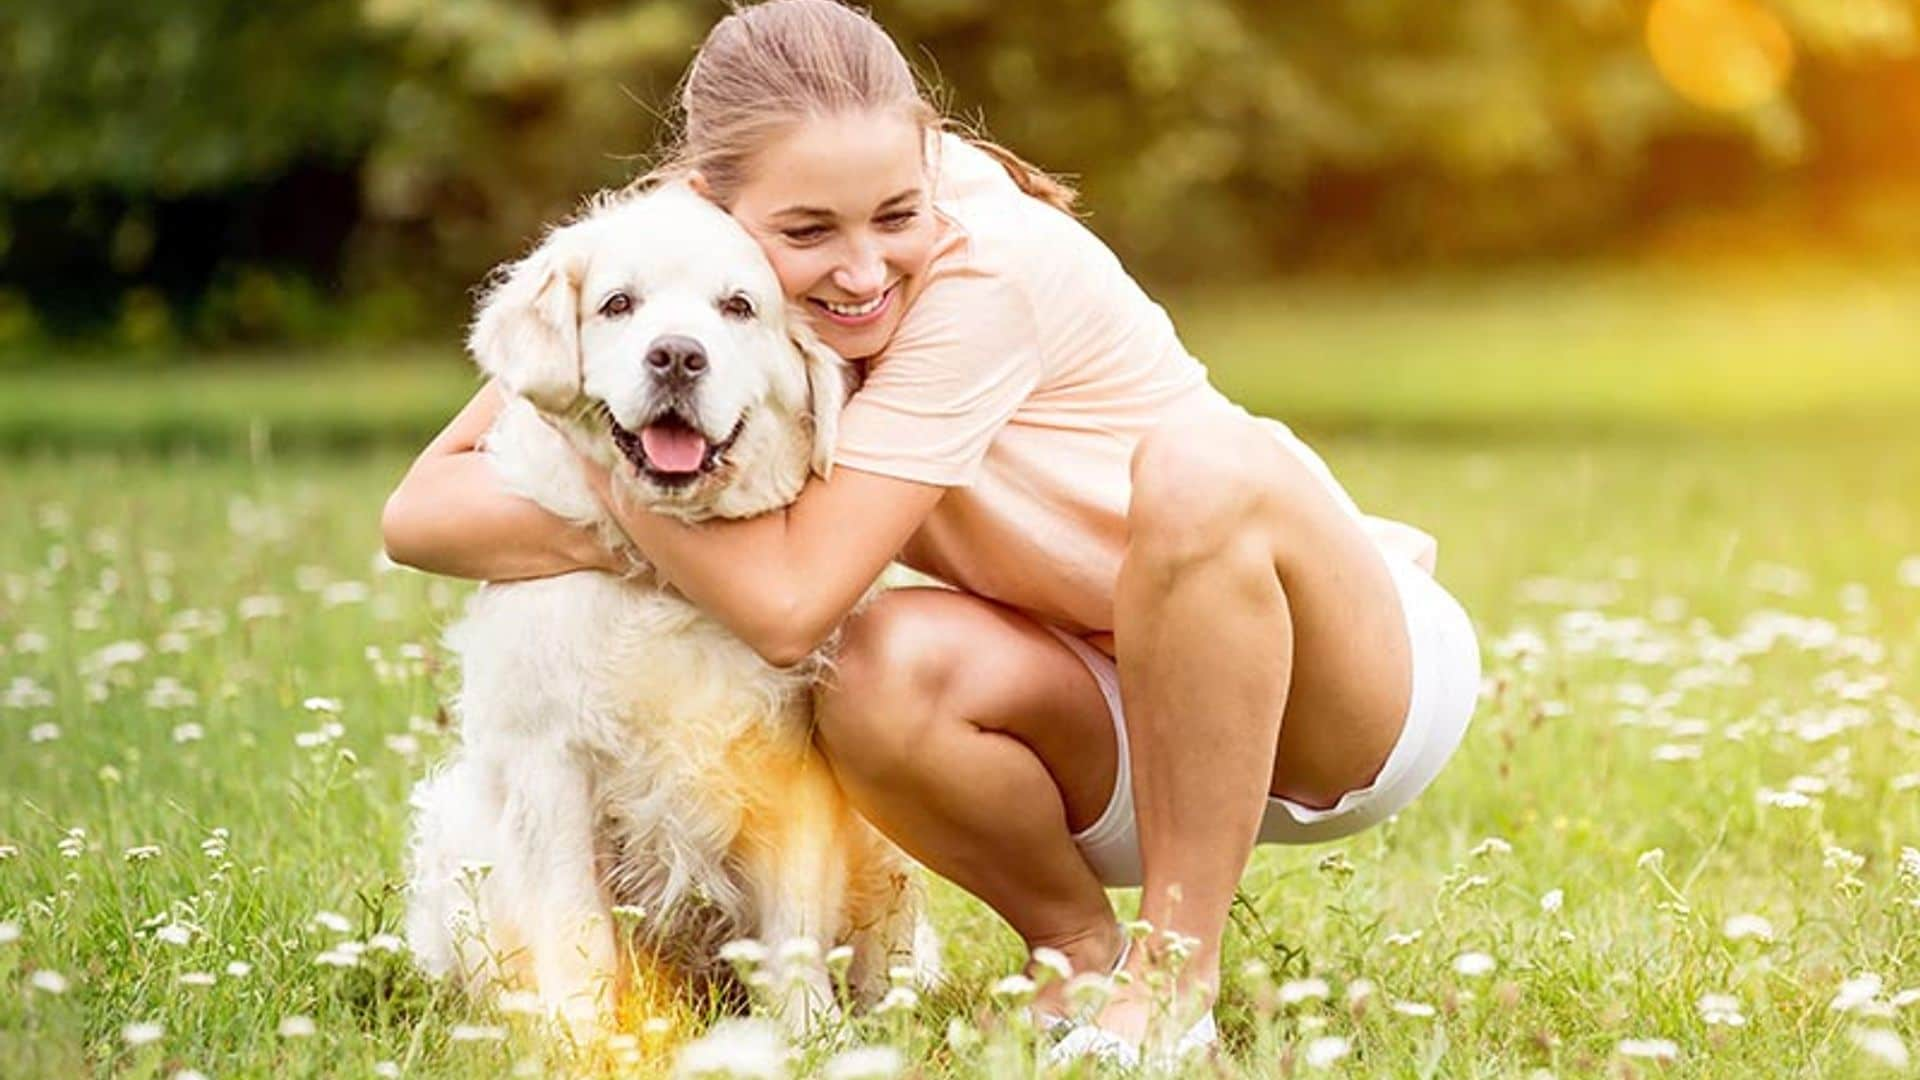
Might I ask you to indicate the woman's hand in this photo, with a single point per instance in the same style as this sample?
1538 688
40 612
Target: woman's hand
781 582
449 514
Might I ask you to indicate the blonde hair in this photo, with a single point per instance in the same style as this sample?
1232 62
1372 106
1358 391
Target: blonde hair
767 66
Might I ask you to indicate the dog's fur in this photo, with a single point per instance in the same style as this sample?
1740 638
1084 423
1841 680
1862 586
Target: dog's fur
619 747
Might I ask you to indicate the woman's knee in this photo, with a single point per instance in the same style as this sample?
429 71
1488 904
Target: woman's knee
890 677
1203 487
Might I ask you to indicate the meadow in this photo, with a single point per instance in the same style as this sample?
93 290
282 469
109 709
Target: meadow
1682 838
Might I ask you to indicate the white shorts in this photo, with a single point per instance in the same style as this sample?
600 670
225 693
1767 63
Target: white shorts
1446 682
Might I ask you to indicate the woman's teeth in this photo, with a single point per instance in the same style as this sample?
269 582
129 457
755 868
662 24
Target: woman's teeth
855 311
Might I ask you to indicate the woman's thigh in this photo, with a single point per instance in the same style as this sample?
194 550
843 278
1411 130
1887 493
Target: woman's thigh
918 656
1350 676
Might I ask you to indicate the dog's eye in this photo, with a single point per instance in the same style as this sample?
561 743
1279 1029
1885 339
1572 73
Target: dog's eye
737 306
617 305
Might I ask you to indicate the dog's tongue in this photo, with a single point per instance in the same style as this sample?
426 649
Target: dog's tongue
673 448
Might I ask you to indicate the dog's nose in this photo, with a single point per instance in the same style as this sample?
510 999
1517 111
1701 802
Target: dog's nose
676 358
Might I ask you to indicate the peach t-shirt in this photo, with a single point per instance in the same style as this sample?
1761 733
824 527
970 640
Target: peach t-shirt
1026 368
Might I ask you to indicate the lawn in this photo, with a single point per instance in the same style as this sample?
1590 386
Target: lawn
1546 353
1679 839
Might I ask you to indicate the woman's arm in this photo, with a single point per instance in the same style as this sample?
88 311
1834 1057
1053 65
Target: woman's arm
783 581
449 514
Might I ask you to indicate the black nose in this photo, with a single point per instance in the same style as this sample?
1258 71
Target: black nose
676 358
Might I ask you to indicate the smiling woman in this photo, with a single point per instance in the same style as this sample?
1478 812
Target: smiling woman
1171 633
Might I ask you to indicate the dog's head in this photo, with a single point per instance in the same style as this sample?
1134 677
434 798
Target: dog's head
653 333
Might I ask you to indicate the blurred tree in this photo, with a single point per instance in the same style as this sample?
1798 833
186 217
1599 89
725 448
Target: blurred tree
1210 136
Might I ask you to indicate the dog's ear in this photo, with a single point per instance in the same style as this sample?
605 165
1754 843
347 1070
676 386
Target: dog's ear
826 390
527 333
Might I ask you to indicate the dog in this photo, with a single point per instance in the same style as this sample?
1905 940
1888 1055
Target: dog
620 750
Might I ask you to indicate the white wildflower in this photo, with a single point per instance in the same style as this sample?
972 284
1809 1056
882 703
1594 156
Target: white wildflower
1014 988
865 1063
1054 962
9 932
1295 991
1402 940
735 1048
189 732
1842 860
1552 900
387 943
327 705
901 999
328 920
261 607
386 1070
1654 1049
1474 964
296 1027
1412 1008
1741 927
1325 1050
1908 572
1904 998
1670 752
196 978
1359 992
1856 993
1883 1045
1651 859
43 733
239 969
744 951
476 1033
1491 847
141 853
1722 1009
48 982
800 950
142 1033
178 934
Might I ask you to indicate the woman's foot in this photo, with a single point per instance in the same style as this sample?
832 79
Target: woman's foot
1148 1014
1098 954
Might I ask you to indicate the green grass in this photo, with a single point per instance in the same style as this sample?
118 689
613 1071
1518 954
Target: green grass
1560 351
1632 595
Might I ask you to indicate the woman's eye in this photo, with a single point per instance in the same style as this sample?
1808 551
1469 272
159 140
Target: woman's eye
807 235
737 306
616 305
900 219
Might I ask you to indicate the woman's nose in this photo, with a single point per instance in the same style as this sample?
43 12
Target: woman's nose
863 273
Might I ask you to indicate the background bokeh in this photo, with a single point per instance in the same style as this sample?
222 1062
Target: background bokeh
238 172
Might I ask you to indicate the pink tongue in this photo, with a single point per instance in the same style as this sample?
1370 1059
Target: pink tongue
672 448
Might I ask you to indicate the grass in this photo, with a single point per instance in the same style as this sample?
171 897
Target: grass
1577 351
1676 632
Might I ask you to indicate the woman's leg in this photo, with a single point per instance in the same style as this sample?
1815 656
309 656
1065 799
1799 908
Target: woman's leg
978 742
1261 650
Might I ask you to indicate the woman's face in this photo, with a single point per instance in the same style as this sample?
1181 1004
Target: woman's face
842 205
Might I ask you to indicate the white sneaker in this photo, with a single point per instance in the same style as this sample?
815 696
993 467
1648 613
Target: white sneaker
1085 1039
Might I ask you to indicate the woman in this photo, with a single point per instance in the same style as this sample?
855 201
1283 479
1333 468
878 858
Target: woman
1171 633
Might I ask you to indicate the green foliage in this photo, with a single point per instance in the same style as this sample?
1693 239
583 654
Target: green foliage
166 100
1211 137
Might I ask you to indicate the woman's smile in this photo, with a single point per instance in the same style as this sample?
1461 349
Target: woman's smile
863 313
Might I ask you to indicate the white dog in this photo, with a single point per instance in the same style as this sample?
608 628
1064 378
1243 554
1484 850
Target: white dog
620 748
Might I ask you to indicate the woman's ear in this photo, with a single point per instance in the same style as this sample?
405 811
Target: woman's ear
827 388
527 332
697 181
